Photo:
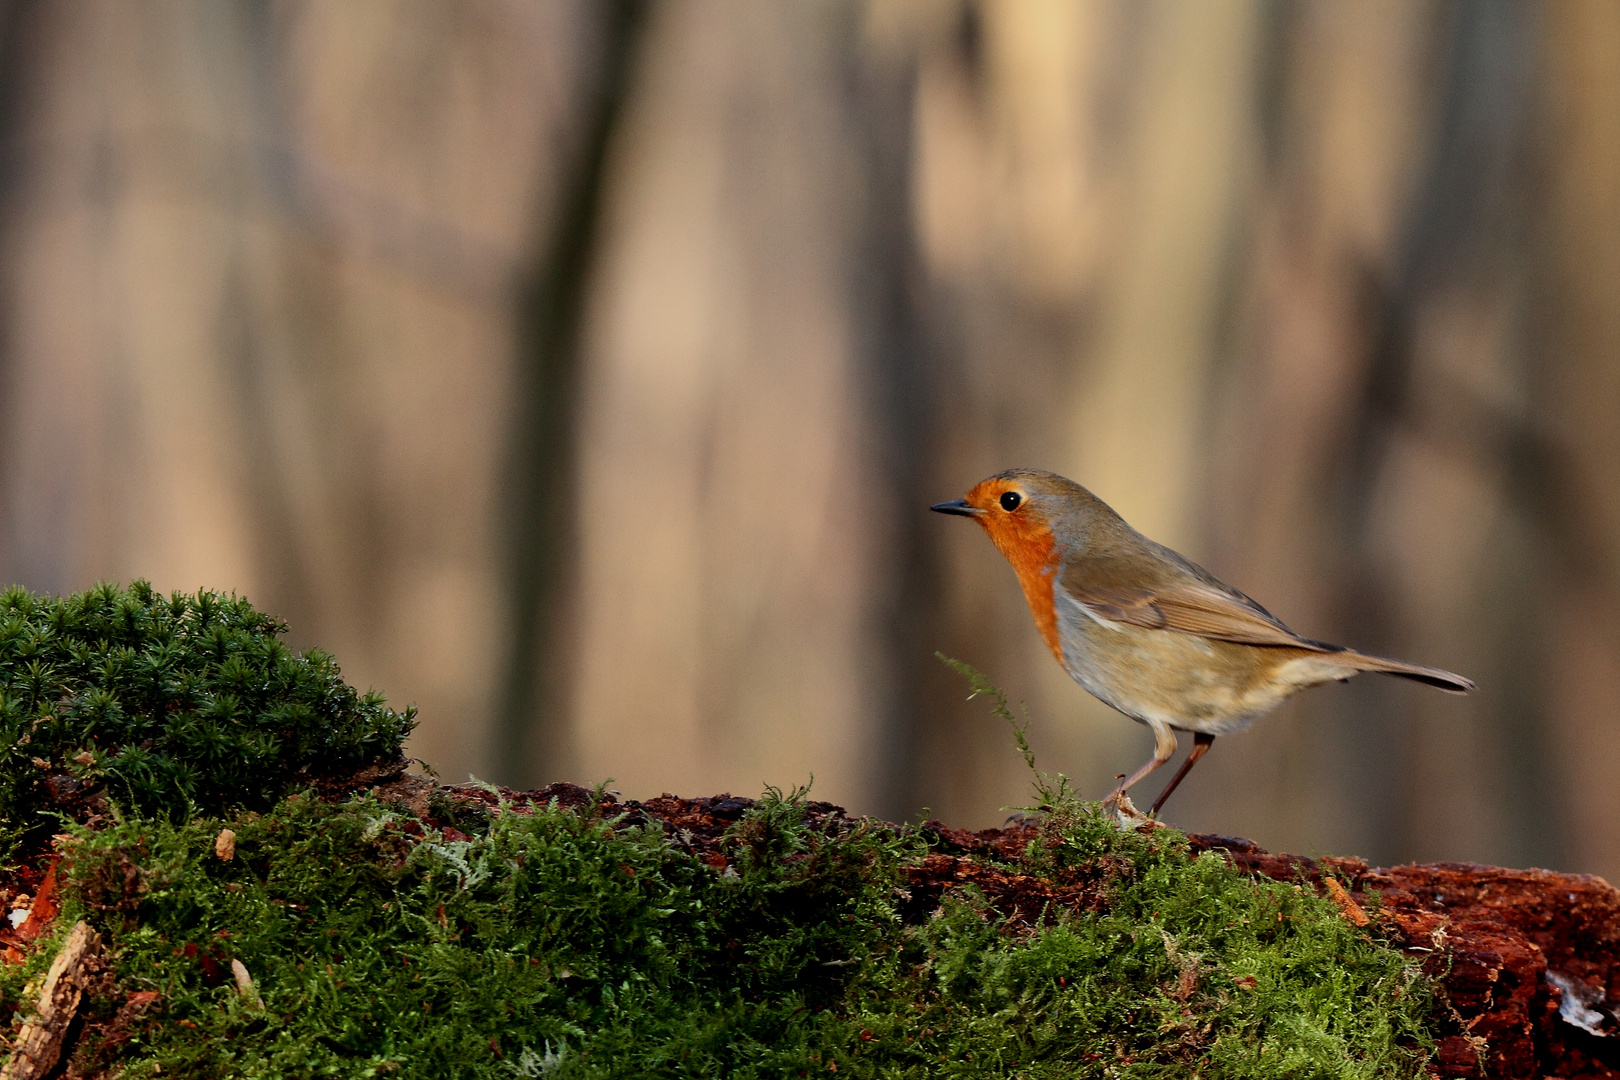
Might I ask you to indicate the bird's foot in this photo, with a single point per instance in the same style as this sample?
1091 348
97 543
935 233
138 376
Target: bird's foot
1127 816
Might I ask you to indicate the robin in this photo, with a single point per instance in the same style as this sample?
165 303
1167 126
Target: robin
1151 633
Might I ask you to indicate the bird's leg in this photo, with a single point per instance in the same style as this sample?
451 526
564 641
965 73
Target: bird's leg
1201 745
1164 748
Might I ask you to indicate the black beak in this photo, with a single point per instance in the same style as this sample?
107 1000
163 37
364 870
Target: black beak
959 507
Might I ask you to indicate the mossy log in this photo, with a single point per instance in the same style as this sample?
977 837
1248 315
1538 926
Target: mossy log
468 931
274 899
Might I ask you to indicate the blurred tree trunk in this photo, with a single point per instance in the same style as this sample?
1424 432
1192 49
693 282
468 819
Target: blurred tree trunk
542 501
1577 399
736 511
260 265
1382 343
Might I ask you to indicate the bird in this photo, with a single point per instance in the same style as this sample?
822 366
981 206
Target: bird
1148 631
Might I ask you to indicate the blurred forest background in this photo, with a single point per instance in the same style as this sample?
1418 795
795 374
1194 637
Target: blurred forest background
582 371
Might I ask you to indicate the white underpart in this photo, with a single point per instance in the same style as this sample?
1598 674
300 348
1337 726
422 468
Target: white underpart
1078 662
1088 612
1239 709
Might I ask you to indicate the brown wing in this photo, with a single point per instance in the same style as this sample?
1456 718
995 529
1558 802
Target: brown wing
1187 608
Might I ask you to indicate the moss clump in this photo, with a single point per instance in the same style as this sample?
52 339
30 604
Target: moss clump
1190 968
568 944
170 705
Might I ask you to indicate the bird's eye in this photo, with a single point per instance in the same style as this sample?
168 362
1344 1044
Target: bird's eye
1010 500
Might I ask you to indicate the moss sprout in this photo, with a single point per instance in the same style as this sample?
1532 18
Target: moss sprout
168 705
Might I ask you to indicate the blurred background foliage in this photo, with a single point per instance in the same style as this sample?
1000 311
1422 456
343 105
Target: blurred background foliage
581 371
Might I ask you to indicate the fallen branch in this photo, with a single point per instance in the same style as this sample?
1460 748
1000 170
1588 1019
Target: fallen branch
39 1045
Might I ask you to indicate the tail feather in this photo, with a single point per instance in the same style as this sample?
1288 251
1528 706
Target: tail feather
1437 677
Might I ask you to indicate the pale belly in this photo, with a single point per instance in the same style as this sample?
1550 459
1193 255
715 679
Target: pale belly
1184 681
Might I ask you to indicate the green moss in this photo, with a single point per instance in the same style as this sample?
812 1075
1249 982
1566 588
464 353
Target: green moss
557 944
551 937
1192 969
170 705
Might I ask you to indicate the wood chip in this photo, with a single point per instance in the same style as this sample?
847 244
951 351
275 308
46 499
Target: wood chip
42 909
1352 911
225 845
39 1045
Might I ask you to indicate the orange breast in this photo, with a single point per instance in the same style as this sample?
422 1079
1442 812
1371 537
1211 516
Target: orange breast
1032 552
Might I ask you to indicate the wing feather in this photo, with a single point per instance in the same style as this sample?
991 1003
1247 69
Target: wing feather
1190 609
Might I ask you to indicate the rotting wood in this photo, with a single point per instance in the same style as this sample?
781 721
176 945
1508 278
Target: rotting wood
1352 910
1489 935
39 1045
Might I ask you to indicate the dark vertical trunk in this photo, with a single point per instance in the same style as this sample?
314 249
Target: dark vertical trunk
531 725
902 385
1461 242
